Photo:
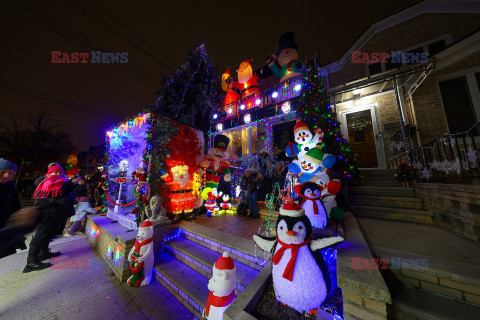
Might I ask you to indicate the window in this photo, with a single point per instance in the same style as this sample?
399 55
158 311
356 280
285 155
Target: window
457 103
436 47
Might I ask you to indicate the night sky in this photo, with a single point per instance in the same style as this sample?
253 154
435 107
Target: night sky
232 31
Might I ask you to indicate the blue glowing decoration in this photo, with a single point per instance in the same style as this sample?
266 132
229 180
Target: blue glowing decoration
258 101
242 107
274 94
215 116
298 87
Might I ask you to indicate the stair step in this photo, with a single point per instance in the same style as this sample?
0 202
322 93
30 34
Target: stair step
380 182
202 259
378 173
185 283
410 303
390 213
240 249
387 201
382 191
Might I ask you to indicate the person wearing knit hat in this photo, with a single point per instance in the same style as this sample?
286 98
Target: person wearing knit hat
9 201
54 198
222 288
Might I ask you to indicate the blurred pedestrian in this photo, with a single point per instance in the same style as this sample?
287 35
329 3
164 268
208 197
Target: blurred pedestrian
262 188
55 201
9 200
18 225
82 208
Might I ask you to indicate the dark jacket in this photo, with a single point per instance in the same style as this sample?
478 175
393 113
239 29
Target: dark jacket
9 202
279 177
248 184
39 180
263 187
80 190
60 207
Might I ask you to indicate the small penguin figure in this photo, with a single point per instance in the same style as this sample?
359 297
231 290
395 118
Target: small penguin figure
300 275
312 203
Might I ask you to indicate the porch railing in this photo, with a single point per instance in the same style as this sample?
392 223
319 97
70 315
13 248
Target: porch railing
454 155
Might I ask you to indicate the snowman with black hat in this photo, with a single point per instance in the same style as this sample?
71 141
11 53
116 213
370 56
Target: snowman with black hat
284 65
301 278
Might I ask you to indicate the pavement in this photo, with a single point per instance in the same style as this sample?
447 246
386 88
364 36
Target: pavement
84 288
420 239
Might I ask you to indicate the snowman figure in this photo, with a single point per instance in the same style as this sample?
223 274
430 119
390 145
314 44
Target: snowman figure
287 53
305 140
141 256
301 278
312 203
312 164
222 288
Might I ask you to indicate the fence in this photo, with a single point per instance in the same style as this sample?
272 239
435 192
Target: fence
454 155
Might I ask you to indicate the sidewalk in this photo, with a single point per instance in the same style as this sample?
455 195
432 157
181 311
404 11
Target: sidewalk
90 291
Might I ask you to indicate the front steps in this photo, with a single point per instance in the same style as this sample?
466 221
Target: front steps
381 197
185 265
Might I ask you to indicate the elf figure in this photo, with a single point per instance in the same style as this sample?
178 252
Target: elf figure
222 288
287 53
216 162
231 95
248 82
141 256
181 198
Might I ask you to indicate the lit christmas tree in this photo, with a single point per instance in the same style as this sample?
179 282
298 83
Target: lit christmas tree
317 112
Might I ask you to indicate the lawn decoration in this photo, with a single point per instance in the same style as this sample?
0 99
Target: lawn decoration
141 256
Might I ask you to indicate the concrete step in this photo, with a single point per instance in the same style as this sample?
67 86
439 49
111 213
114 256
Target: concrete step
450 278
202 259
186 284
409 303
240 249
382 191
380 181
387 201
390 213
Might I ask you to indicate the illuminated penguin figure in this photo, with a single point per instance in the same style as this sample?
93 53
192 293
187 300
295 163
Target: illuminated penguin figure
300 275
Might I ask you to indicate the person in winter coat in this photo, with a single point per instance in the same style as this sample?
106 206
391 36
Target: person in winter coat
18 225
279 174
262 188
81 210
41 178
9 201
80 190
55 201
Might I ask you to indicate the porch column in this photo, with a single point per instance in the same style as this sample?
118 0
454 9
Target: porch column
402 122
268 131
250 141
245 139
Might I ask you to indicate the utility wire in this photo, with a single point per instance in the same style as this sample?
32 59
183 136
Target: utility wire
37 17
107 26
134 33
63 102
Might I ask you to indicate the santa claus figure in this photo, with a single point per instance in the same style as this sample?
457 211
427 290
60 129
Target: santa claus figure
216 162
181 199
248 82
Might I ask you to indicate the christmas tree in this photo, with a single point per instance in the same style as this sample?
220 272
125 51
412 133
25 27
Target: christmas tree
317 112
191 93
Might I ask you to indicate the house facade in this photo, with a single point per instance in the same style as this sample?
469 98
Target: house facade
429 80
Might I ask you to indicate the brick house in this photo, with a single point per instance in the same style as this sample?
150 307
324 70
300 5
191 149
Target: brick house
438 101
364 93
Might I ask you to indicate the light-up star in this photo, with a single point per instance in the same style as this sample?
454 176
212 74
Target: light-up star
426 174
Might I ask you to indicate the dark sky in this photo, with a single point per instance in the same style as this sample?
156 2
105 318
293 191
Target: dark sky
232 31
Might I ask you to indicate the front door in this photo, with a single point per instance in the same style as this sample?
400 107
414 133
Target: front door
360 129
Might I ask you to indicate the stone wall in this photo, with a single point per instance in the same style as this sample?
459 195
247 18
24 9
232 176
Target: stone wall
456 207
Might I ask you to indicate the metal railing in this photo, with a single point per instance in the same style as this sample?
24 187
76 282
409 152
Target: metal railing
454 155
276 94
